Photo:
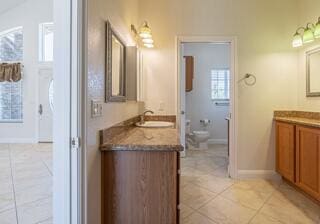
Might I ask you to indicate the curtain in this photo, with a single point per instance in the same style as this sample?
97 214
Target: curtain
10 72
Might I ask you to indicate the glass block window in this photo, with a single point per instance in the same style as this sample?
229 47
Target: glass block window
11 50
220 84
46 42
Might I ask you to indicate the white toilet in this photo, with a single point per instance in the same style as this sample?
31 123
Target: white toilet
199 138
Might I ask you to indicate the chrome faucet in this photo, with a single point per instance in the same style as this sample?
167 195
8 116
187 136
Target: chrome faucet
143 115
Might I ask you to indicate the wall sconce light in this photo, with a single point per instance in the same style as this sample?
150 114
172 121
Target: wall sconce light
309 34
145 34
317 29
297 38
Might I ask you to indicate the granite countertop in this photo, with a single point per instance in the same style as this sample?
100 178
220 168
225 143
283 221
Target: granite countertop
299 117
128 137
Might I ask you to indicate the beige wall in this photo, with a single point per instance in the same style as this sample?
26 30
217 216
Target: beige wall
308 12
121 13
264 30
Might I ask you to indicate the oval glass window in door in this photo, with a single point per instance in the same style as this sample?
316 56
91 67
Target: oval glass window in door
51 95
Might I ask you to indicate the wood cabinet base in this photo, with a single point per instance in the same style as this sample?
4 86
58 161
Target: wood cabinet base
140 187
298 156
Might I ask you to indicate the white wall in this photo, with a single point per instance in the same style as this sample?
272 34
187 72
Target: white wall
264 31
28 15
308 12
121 13
199 104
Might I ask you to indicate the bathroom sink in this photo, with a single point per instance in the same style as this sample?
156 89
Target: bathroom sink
156 124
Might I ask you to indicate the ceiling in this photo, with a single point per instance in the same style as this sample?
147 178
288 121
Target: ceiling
5 5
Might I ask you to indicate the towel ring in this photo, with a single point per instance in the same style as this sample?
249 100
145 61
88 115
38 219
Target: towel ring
246 77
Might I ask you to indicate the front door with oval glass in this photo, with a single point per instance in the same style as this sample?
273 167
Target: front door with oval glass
45 108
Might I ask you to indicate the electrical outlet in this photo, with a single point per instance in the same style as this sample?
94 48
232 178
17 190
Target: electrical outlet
96 108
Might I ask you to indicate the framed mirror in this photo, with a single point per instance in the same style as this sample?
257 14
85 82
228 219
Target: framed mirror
313 73
115 66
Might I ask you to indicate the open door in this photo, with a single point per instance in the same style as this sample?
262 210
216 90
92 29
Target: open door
182 94
68 154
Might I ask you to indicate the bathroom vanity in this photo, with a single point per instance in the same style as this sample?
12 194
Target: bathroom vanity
140 174
298 149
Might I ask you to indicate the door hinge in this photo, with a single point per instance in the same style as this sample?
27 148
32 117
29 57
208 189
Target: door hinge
75 142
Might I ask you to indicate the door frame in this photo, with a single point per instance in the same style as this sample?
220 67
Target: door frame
233 158
68 72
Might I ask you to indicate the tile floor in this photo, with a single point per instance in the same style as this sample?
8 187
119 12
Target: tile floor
25 183
209 197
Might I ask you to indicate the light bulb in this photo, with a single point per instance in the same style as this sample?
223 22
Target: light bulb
147 41
308 36
317 29
145 31
297 40
149 45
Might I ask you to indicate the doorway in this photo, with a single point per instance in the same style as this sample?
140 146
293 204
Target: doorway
206 120
42 180
224 71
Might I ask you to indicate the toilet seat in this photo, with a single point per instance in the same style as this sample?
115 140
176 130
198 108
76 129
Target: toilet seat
203 133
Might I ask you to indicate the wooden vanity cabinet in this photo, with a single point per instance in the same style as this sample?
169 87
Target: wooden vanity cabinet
140 187
308 160
298 156
285 154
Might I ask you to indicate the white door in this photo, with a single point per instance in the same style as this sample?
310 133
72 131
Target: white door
69 176
182 100
45 106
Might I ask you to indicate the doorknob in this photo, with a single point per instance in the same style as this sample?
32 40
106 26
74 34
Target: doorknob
40 109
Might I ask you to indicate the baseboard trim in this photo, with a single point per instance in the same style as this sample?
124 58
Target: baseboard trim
17 140
261 174
217 141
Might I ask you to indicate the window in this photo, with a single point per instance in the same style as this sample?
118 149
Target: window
220 84
46 42
11 50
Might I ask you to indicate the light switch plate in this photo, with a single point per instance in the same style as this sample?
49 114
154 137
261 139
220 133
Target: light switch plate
96 108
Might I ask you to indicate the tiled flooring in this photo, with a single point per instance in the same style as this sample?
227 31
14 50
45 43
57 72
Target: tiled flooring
209 197
25 183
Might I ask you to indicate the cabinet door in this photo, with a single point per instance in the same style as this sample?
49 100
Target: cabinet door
285 150
308 160
139 187
189 72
